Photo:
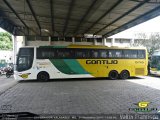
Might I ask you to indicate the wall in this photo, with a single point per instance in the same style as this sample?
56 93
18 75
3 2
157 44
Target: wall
37 43
60 43
20 42
123 42
7 56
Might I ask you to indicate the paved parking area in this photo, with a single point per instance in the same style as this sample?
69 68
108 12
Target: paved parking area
92 96
6 83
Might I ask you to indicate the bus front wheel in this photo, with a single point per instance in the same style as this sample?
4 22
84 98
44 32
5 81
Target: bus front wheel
43 76
124 74
113 74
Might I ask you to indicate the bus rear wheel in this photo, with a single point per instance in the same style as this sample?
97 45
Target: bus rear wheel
43 76
124 74
113 74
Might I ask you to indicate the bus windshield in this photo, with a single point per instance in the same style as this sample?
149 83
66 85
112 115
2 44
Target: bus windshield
155 62
25 59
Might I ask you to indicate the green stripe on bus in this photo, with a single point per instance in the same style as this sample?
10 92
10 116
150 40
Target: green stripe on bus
62 66
75 66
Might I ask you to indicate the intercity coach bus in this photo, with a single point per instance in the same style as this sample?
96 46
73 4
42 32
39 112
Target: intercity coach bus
80 61
155 63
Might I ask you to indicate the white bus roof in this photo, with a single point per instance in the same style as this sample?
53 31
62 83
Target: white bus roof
156 53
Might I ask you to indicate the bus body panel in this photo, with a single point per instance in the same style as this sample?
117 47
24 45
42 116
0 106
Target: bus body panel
157 72
47 66
102 70
96 70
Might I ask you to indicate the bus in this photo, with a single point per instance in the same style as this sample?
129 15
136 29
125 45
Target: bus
80 61
155 63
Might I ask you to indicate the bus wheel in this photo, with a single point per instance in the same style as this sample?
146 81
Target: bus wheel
124 74
43 76
113 74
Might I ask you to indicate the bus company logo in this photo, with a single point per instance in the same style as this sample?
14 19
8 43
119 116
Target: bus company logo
25 75
101 61
142 107
43 63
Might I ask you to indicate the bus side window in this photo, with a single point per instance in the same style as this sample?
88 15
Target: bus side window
82 53
87 53
67 54
141 54
94 54
130 54
103 54
39 56
115 53
60 53
71 53
118 53
45 54
51 53
78 54
134 54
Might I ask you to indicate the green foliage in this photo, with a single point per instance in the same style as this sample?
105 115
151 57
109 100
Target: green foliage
5 41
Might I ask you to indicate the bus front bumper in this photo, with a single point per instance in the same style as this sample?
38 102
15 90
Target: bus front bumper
155 72
16 76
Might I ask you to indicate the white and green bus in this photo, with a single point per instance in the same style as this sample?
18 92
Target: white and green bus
80 61
155 63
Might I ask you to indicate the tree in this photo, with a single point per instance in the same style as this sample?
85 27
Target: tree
140 40
5 41
151 42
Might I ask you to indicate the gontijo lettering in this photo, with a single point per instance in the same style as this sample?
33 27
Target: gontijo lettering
101 61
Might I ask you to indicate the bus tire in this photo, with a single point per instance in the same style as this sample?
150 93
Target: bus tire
124 74
113 74
43 76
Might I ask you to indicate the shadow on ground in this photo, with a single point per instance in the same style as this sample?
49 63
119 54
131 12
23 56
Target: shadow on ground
152 75
77 79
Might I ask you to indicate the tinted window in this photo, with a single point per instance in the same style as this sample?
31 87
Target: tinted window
130 53
45 53
103 53
141 54
115 53
155 61
94 54
82 53
64 53
76 53
26 51
25 59
51 53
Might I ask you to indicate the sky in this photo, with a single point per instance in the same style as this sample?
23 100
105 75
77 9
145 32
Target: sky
2 30
150 26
